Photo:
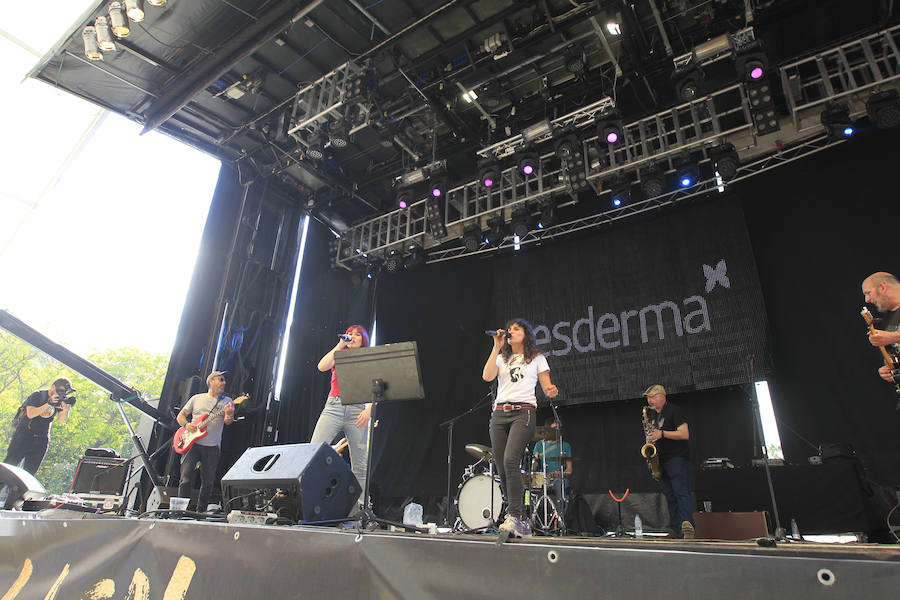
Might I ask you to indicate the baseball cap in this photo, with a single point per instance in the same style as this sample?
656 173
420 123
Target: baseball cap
214 374
654 389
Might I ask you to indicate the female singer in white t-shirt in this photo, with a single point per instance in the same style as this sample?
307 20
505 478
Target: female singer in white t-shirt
518 365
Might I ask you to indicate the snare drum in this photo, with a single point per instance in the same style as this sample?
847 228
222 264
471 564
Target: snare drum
473 501
537 480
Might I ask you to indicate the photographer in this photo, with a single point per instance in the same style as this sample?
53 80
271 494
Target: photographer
32 435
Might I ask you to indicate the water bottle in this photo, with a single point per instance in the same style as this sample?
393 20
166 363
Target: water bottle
412 514
638 526
795 531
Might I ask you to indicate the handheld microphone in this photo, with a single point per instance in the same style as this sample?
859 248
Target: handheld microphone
494 332
344 337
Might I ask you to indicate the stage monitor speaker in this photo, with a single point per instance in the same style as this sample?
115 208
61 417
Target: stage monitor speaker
300 482
99 475
731 525
22 486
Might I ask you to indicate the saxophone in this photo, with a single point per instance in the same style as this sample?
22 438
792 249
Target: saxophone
648 450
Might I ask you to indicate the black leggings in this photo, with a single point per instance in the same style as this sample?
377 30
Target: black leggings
26 446
510 433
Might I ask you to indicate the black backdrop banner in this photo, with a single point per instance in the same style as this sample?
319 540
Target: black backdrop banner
675 301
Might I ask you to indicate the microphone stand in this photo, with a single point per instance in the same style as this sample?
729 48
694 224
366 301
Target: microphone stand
779 532
560 502
449 425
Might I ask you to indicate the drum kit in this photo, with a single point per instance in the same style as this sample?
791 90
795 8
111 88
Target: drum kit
479 499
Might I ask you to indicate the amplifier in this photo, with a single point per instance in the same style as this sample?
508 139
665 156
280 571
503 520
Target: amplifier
100 475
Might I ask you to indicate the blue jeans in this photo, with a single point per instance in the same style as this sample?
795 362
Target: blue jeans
336 418
676 487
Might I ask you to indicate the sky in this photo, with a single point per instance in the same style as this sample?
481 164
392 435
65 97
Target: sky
99 226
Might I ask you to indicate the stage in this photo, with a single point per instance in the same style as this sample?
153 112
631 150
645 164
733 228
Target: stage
66 554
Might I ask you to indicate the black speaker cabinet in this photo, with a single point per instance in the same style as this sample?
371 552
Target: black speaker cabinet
22 486
100 475
300 482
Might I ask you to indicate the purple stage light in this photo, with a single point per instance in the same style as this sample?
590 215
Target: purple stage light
488 182
403 204
612 137
436 192
756 72
528 169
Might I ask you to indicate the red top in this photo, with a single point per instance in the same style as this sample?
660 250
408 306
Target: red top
335 390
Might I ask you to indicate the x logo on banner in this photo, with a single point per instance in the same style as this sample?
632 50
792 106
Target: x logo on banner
719 275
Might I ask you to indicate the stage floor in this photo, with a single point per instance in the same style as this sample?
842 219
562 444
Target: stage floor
80 556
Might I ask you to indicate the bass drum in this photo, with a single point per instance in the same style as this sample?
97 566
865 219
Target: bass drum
473 502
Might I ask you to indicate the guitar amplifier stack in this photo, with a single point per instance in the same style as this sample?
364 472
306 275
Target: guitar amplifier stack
100 475
298 482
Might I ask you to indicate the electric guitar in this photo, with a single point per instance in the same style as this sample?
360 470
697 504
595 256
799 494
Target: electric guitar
184 439
890 360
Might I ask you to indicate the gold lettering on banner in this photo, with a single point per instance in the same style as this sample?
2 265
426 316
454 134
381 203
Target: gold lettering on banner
102 590
21 580
55 587
181 579
139 588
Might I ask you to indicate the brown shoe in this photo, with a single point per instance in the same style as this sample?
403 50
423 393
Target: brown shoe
687 530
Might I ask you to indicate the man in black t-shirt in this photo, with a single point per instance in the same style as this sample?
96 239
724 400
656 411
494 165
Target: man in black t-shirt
883 290
670 435
32 435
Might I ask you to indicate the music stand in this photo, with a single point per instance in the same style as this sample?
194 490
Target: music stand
388 373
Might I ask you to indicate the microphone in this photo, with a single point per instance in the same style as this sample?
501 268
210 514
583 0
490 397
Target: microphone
493 332
344 337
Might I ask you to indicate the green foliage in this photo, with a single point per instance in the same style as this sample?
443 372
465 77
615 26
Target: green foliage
94 421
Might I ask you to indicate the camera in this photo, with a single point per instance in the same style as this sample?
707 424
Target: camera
67 396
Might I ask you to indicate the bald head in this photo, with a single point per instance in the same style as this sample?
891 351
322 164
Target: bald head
883 290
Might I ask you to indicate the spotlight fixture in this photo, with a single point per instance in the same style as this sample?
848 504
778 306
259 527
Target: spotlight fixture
620 193
496 231
687 82
472 238
339 135
653 182
134 10
315 150
404 199
609 127
438 187
415 257
751 65
470 96
726 161
538 130
373 268
569 151
613 28
762 106
489 175
104 36
836 120
434 217
687 175
91 50
529 163
548 213
883 109
156 2
575 60
412 178
117 20
393 261
518 226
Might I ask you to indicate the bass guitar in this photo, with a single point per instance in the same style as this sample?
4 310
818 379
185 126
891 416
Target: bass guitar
890 360
184 439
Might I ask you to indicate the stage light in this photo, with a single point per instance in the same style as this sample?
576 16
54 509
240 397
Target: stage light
496 231
434 217
134 10
393 261
751 66
156 2
339 135
415 257
488 175
528 164
762 106
883 109
518 225
609 127
104 36
412 178
117 20
470 96
373 268
726 161
621 194
575 60
687 175
548 213
687 82
569 150
538 130
472 238
315 150
438 188
91 50
404 199
836 120
613 28
653 181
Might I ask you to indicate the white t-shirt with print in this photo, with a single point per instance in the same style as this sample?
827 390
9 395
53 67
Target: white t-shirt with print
516 380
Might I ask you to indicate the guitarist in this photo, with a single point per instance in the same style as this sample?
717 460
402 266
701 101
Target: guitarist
883 290
205 450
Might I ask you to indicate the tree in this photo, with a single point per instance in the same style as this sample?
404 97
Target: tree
94 421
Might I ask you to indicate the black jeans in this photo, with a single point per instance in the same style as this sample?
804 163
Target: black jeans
30 447
209 460
510 433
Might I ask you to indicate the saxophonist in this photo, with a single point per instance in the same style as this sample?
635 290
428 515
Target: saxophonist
669 433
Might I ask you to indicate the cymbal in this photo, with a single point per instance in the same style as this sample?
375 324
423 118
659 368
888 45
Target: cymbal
543 432
479 451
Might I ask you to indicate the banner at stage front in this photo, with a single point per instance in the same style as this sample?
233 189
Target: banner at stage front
674 300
